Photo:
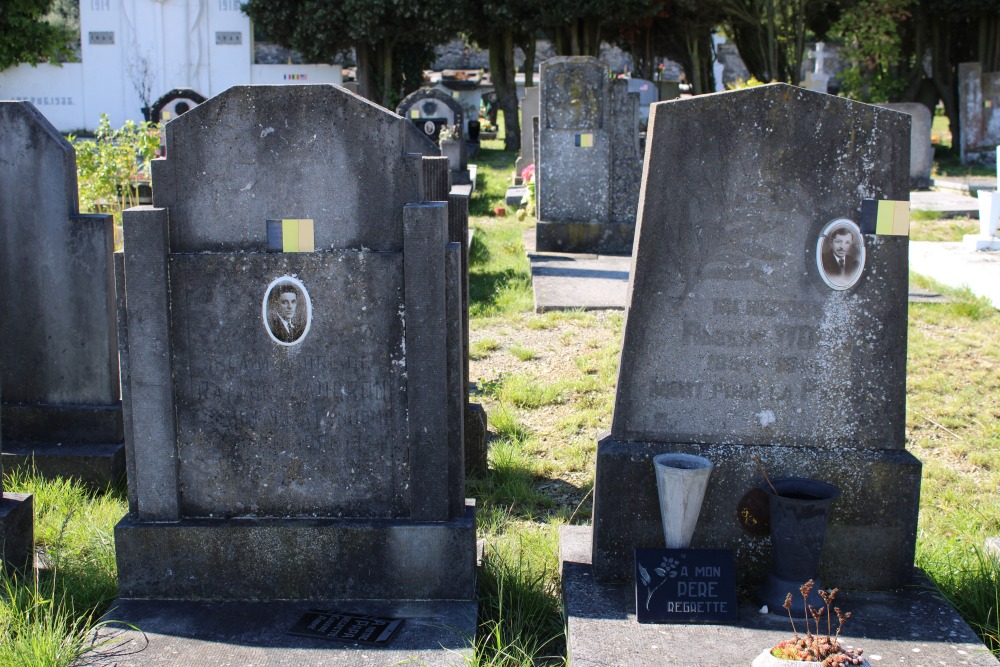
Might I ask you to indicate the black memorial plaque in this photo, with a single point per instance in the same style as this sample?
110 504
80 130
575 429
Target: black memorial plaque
685 586
344 627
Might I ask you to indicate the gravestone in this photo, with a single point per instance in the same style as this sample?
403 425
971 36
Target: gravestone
818 80
648 94
529 110
978 113
588 166
921 151
430 110
61 410
740 341
988 237
293 344
17 529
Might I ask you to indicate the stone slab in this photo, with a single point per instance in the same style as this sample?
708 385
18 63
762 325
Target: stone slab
956 265
913 626
992 546
947 203
966 185
878 508
579 281
17 530
735 330
297 559
94 465
245 634
59 343
342 384
921 150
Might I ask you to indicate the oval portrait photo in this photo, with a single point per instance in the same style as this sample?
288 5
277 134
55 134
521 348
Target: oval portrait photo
287 311
840 254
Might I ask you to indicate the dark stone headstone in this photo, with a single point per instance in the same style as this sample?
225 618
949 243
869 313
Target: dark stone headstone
300 409
588 162
61 412
740 342
17 528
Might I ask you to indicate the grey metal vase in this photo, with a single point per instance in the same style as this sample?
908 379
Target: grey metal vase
681 481
799 516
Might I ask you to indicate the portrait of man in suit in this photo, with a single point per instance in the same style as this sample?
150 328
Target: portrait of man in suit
841 254
286 314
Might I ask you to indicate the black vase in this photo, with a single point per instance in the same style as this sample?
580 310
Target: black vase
799 513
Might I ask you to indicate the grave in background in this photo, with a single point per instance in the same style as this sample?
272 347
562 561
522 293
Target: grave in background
293 343
921 151
588 168
529 111
978 115
741 341
431 110
61 411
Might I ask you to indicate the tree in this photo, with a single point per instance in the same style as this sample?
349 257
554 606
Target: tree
771 34
578 27
380 31
499 25
27 37
682 31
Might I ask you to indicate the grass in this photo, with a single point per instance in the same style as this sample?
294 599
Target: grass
45 619
929 226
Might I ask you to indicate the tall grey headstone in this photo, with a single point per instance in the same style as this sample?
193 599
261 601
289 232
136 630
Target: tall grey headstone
17 529
529 110
978 113
295 416
588 150
61 410
741 342
921 151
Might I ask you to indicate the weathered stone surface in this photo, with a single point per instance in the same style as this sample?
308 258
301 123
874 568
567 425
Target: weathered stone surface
476 439
913 626
978 113
57 324
252 131
878 508
921 151
321 452
223 634
17 532
297 559
588 159
737 344
732 334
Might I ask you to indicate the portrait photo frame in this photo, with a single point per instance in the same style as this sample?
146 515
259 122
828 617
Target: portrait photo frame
840 254
286 320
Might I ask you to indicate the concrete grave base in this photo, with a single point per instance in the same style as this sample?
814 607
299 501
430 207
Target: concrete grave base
606 238
217 634
17 530
871 535
913 626
297 559
85 442
94 465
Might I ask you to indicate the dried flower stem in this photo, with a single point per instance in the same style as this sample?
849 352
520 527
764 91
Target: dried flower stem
764 472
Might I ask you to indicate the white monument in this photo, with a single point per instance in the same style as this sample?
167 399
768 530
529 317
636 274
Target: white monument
818 79
989 218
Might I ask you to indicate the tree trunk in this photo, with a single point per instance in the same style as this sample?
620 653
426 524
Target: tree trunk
502 68
367 81
386 46
944 81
